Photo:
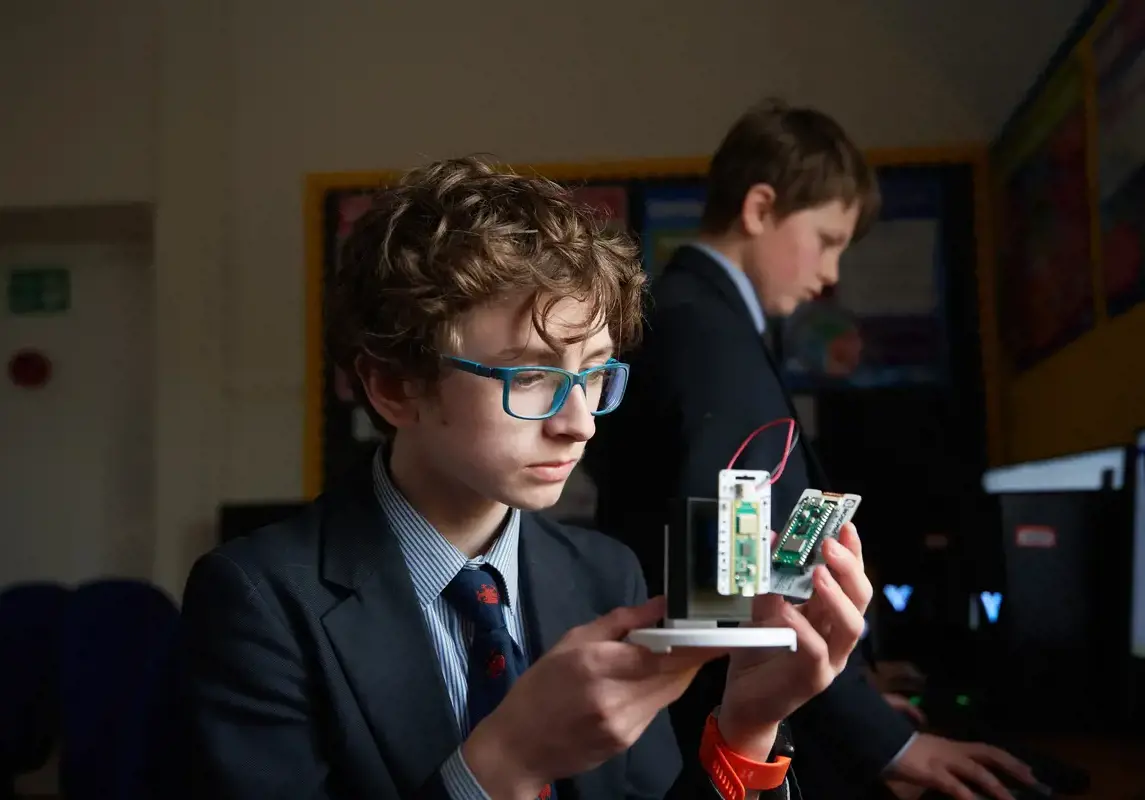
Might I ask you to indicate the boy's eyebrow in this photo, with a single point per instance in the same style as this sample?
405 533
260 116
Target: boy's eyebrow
600 352
546 356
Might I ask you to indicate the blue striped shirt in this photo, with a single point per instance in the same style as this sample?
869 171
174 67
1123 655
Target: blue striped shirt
433 562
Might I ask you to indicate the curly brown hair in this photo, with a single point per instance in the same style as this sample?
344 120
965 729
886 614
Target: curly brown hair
454 235
802 153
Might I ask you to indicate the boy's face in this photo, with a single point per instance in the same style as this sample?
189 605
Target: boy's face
462 431
790 260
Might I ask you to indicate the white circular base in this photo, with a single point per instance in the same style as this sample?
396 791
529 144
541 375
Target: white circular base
662 640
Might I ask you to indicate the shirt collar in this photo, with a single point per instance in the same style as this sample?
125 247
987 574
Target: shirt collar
432 560
741 281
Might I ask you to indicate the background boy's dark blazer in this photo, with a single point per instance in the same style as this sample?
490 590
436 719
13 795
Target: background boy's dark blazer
310 673
701 382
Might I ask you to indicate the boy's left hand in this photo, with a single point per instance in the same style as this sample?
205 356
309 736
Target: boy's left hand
764 686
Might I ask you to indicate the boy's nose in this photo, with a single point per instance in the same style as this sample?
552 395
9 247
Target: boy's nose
829 272
575 419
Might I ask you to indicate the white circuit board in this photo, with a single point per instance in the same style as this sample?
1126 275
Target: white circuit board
744 557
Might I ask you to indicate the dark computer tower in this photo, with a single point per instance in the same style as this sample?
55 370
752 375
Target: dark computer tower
1058 655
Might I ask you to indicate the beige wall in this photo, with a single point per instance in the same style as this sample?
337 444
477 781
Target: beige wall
214 110
77 102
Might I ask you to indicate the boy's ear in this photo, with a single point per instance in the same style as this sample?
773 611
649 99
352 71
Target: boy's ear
386 394
758 205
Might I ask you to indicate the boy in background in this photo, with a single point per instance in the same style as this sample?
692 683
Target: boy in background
788 191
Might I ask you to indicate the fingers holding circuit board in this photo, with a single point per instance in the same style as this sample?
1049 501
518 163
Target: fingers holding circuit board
816 517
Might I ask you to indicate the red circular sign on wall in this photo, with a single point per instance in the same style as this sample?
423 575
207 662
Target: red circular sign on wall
29 369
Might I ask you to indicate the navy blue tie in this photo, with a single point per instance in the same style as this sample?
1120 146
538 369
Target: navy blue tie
495 660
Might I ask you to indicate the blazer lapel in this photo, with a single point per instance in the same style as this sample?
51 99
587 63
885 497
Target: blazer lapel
698 263
555 602
815 472
380 638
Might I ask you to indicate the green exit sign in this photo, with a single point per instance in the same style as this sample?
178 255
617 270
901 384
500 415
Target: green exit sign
39 290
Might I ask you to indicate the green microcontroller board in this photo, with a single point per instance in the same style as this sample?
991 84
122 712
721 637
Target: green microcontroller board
803 533
746 529
817 516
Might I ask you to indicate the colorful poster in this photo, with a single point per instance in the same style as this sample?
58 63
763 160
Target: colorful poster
350 207
348 433
1119 58
884 324
671 218
1045 265
609 202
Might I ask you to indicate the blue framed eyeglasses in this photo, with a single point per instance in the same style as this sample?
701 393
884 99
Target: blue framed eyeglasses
541 392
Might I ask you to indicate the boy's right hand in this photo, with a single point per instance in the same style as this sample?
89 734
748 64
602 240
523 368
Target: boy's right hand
584 701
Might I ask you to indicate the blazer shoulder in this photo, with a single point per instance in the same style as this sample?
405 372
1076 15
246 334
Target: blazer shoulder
699 334
288 541
685 308
681 293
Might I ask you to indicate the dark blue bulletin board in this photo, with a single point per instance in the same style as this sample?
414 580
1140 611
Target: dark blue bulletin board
671 218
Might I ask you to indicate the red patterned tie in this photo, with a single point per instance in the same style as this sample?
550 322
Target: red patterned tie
495 660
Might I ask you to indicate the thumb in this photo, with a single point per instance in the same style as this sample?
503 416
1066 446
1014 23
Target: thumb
904 706
619 622
915 713
767 607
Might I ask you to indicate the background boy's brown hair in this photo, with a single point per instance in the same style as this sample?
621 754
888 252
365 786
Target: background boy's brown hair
454 235
803 154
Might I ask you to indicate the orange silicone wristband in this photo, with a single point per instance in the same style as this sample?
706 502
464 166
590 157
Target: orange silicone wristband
733 774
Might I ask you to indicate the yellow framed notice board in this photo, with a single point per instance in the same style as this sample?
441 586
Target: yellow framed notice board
657 200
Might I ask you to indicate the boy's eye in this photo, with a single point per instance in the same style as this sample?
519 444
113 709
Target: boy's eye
829 241
525 380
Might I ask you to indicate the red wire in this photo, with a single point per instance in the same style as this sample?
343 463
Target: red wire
778 471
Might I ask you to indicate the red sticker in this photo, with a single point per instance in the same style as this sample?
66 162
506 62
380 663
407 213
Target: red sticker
1036 536
936 541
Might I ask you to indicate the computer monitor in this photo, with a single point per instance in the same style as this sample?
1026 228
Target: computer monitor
1063 606
937 561
1137 613
918 614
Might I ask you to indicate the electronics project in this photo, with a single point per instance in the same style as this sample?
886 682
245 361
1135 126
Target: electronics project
817 517
720 553
748 565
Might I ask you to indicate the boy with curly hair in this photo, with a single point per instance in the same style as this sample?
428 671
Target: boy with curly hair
420 631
